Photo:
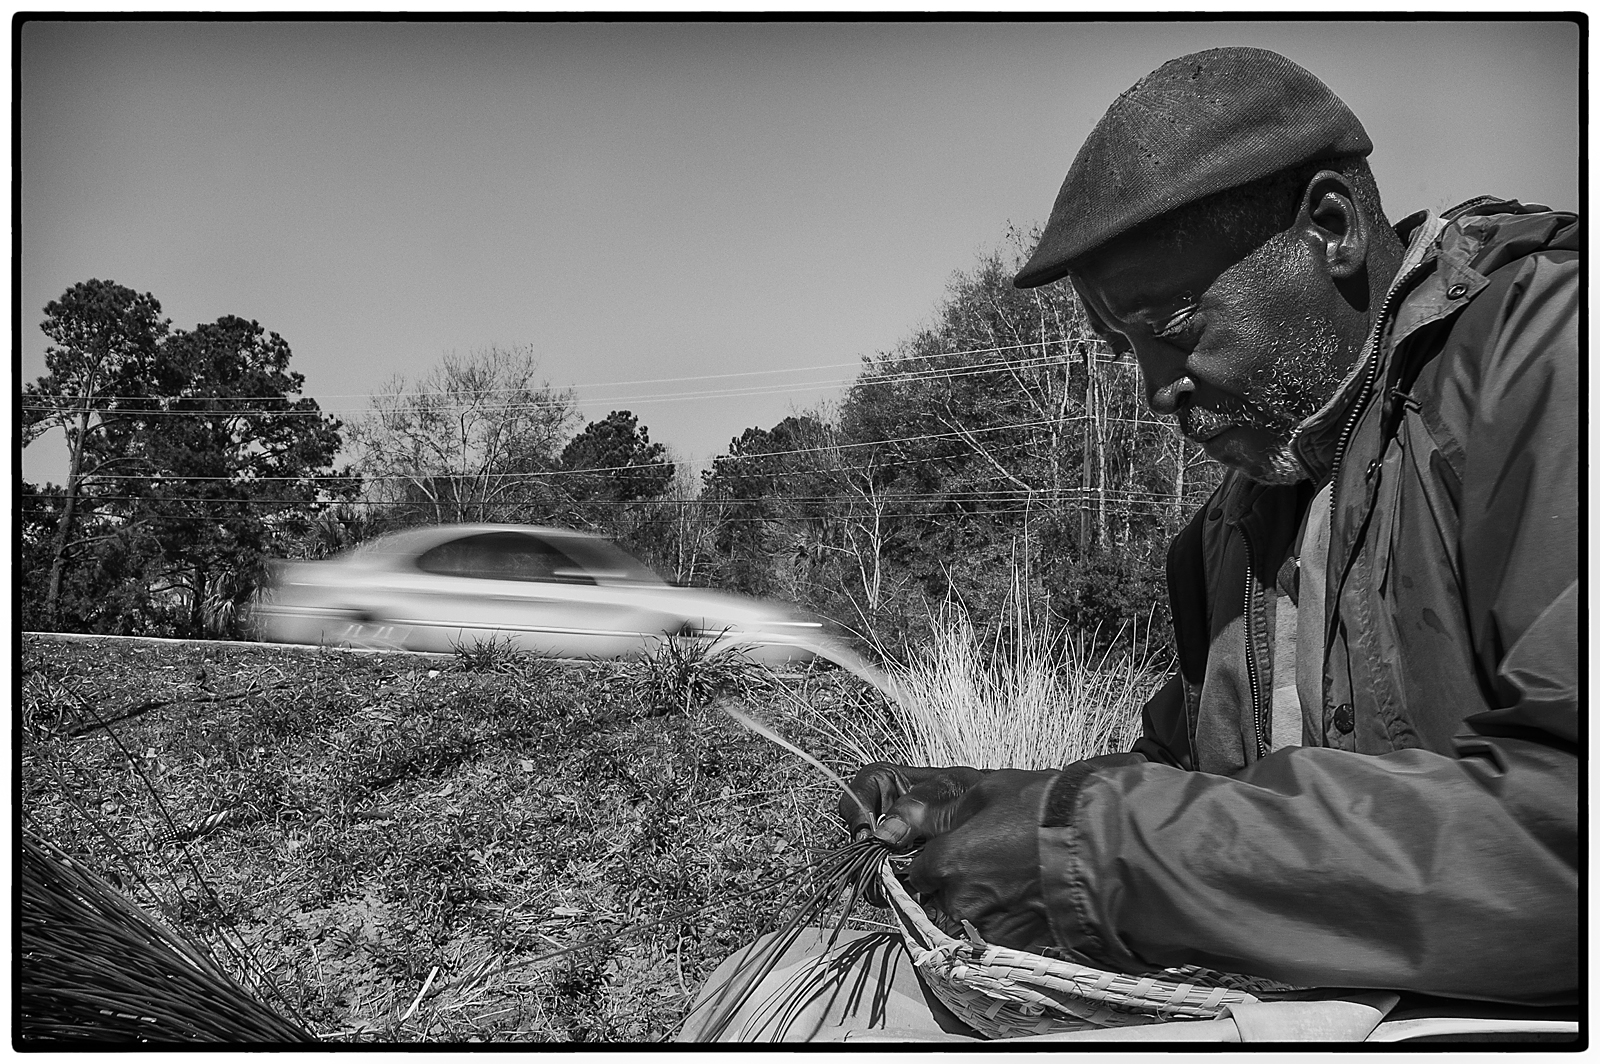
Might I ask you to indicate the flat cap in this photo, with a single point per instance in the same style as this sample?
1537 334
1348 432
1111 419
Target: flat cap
1198 125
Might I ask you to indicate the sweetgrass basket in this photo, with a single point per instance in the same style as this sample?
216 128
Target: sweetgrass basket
1009 993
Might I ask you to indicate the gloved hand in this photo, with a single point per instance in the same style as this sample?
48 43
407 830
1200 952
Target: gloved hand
978 830
915 803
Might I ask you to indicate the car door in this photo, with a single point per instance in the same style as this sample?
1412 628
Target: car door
512 584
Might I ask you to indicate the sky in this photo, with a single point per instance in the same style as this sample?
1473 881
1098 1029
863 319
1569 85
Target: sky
709 224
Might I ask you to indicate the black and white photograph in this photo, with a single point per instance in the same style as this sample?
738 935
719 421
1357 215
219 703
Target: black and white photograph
971 530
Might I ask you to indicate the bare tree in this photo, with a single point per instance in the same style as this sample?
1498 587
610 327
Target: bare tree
693 527
867 528
477 439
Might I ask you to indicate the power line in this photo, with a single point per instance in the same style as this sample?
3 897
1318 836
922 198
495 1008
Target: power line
1078 494
644 466
1118 510
910 377
1092 341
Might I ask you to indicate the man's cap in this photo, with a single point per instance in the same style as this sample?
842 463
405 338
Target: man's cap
1196 126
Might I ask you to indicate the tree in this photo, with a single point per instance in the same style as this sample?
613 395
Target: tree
1028 449
683 545
614 479
229 467
477 439
1003 449
103 364
773 493
612 460
190 456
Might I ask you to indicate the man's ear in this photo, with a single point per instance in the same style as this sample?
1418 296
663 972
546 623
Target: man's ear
1336 224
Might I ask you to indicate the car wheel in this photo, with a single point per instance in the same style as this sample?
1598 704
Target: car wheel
369 631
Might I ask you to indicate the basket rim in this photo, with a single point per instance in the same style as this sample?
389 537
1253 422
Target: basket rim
1154 992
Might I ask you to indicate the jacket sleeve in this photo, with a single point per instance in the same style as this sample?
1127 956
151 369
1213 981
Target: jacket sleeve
1320 867
1449 875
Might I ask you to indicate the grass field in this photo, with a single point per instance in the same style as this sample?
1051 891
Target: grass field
365 825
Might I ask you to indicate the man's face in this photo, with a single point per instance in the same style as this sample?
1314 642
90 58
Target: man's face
1240 344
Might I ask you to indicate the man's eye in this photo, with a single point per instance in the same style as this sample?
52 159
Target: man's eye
1179 325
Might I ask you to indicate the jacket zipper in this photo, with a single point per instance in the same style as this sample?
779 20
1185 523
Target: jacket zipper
1335 588
1250 644
1366 388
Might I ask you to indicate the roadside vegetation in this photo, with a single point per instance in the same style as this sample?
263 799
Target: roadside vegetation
357 821
1002 438
489 847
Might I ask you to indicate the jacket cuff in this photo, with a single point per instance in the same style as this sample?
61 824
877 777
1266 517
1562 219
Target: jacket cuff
1059 879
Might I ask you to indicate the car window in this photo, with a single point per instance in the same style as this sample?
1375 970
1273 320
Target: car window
606 560
502 556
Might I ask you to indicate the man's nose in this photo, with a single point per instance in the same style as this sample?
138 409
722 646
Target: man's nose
1172 396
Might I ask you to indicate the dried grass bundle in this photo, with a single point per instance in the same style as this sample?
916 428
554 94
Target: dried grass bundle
94 966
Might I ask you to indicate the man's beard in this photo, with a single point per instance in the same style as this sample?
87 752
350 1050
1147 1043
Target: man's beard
1303 378
1277 465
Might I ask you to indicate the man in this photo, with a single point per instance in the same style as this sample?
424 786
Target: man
1365 771
1398 411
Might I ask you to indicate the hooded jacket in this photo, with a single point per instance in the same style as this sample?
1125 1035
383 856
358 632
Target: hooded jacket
1424 833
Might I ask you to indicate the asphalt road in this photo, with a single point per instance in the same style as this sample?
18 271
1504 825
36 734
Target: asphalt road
73 637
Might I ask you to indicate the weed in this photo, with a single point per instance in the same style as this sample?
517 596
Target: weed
685 671
498 654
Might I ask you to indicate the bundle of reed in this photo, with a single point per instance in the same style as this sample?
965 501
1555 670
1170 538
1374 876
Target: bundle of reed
997 991
846 870
94 966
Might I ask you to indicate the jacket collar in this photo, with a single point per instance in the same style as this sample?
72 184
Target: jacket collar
1317 437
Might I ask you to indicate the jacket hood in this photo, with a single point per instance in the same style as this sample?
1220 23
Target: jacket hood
1489 234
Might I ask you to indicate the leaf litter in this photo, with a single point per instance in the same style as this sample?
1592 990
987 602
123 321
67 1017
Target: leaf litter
429 834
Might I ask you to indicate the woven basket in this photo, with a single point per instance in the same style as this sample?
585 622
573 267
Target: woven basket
1008 993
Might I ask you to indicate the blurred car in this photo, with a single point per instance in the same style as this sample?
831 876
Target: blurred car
549 591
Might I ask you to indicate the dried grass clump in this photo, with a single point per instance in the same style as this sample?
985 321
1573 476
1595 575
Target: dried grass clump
94 966
1032 698
492 654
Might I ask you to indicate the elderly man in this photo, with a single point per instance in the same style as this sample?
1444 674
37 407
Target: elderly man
1365 771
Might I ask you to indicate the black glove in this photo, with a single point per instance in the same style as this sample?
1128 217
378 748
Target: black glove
913 804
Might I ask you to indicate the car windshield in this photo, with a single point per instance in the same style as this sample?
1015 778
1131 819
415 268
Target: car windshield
606 561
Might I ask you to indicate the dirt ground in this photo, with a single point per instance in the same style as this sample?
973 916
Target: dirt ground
400 849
